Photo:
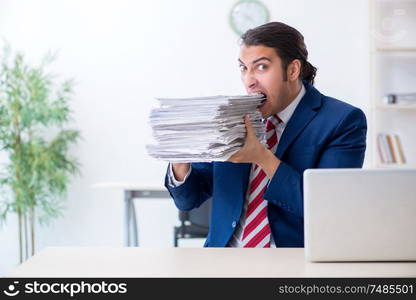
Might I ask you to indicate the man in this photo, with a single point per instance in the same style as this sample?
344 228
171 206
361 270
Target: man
257 195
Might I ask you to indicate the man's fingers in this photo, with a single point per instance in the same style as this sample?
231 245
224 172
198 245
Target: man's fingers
249 127
235 157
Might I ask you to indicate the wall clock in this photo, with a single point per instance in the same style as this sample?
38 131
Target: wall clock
247 14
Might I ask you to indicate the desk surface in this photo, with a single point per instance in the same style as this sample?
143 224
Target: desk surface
195 262
129 186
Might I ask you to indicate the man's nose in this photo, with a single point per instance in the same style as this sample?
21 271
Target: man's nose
250 81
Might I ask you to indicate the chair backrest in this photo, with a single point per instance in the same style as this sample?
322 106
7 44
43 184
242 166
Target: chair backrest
197 216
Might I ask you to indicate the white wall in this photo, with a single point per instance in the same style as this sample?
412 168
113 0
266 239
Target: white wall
125 53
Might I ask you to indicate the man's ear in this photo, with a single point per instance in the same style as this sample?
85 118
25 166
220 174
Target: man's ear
293 70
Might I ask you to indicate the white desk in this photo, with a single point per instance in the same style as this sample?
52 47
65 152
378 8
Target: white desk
132 191
195 262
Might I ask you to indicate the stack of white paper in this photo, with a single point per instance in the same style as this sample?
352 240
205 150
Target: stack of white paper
203 129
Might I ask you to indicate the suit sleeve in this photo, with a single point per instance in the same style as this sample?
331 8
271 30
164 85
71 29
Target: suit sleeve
196 189
345 149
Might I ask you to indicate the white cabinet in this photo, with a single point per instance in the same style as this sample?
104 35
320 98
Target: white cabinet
393 71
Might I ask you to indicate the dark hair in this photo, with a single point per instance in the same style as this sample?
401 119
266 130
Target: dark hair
288 44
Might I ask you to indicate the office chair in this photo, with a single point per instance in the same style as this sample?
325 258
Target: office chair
194 223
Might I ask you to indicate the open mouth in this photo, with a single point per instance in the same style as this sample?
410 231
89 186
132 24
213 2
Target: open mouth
263 101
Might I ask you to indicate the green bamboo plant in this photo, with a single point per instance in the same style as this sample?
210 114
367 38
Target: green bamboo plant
34 140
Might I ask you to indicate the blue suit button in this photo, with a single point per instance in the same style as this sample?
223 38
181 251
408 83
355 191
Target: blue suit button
234 224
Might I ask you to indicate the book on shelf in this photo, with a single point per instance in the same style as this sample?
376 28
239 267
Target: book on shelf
403 98
390 149
398 150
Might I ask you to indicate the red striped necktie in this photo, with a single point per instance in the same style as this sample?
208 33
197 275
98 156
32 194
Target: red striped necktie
256 231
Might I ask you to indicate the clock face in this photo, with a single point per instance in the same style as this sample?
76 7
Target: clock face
247 14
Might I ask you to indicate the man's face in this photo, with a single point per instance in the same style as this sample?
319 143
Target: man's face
261 72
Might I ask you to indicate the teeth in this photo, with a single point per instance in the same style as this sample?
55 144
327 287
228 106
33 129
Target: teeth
258 93
265 97
263 94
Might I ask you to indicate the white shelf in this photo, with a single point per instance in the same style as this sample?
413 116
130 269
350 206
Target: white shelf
395 166
395 1
396 49
396 106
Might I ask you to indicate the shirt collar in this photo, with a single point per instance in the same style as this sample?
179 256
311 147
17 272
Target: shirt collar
287 113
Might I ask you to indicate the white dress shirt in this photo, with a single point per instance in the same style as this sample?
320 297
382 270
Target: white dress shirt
285 116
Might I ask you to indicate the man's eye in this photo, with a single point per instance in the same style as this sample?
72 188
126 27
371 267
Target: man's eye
261 67
242 68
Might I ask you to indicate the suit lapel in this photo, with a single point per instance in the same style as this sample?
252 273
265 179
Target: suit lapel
303 114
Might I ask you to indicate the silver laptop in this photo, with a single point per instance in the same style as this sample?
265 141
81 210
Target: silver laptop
360 215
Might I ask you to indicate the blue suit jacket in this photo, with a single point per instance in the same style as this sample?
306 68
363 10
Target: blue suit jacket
322 133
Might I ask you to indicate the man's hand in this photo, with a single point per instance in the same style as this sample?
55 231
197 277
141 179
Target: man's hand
180 170
254 152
